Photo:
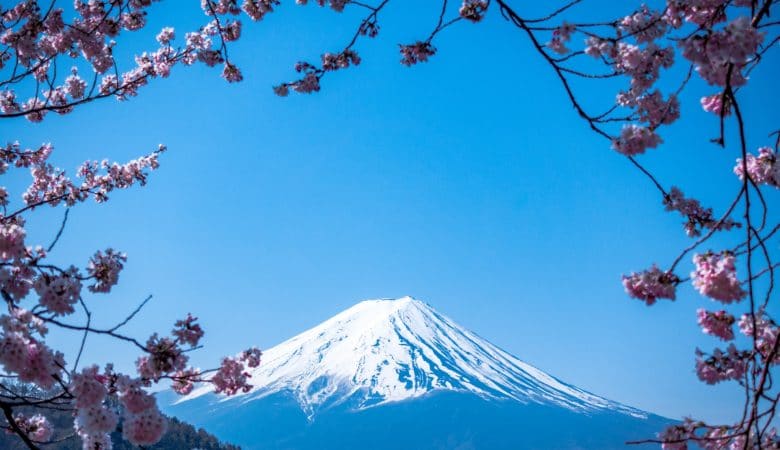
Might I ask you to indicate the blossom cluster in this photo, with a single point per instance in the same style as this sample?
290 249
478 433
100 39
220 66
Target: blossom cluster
142 422
35 41
232 376
561 36
51 185
715 276
718 104
650 285
336 5
187 331
721 365
707 437
166 358
654 110
100 399
717 323
23 351
23 269
40 37
645 25
418 52
58 293
105 268
722 42
24 354
720 56
635 139
762 169
698 217
36 427
473 10
340 60
310 82
765 333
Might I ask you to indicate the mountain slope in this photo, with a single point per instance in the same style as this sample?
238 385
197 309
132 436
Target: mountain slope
400 362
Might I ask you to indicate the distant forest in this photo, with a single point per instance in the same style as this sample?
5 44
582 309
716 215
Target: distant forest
180 436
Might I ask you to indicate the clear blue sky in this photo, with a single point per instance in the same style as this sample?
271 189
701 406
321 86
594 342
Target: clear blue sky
467 182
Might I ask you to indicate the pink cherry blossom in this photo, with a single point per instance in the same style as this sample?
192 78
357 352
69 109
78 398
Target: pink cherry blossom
416 53
11 240
675 437
95 441
24 322
635 139
713 54
135 399
651 285
645 25
766 336
340 61
257 9
17 280
30 359
641 64
714 104
558 46
183 380
231 378
698 217
716 438
655 111
231 31
144 428
762 169
187 331
699 12
35 41
96 419
36 427
473 10
597 47
58 293
721 366
105 268
166 35
13 154
251 357
716 277
165 356
717 323
88 388
561 36
231 73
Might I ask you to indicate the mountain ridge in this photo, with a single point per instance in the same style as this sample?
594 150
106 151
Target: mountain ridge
395 373
390 350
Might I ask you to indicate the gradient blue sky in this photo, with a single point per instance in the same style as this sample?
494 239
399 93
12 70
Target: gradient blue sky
468 182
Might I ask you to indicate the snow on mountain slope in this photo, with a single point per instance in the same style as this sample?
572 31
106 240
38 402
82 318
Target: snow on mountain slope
382 351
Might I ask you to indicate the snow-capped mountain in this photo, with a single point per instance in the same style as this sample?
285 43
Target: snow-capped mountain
381 351
390 355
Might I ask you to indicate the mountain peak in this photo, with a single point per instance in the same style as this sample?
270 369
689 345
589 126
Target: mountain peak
387 305
390 350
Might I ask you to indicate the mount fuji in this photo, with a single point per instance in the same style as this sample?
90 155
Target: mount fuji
387 374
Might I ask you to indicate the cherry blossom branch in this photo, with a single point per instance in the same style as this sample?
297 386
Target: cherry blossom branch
132 314
59 232
8 413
